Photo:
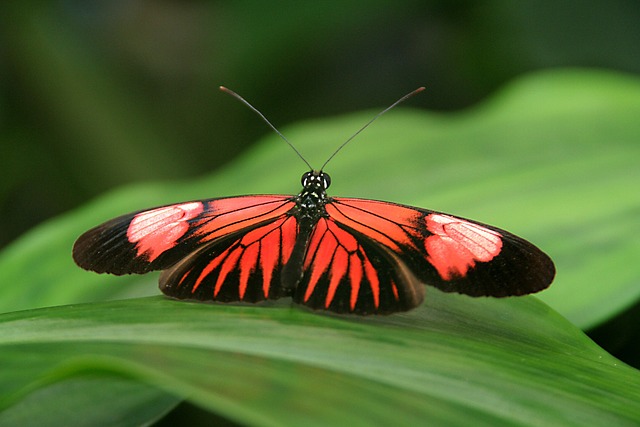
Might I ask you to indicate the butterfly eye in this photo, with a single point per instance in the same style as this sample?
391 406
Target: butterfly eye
305 178
326 179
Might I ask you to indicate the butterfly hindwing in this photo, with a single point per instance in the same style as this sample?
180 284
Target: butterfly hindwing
448 252
244 266
347 273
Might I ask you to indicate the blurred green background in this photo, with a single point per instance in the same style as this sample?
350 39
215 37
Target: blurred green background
96 94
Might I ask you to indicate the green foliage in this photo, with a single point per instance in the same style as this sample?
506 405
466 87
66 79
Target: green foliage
552 157
455 360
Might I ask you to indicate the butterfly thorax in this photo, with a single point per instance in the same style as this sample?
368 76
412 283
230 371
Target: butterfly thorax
313 197
310 207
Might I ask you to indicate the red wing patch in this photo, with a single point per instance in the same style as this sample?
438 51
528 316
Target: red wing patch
345 275
388 224
158 230
337 255
227 216
456 245
244 266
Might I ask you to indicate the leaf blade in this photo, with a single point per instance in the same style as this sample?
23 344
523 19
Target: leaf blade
457 359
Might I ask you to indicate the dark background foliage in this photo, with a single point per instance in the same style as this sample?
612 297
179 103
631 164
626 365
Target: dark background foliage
96 94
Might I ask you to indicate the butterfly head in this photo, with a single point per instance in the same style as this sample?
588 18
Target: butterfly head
316 181
313 196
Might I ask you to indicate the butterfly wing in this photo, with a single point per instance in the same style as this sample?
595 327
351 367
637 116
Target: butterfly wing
347 272
158 238
242 266
229 249
371 256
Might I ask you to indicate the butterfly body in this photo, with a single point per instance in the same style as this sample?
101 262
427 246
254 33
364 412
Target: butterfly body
344 255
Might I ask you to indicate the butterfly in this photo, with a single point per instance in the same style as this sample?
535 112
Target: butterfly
344 255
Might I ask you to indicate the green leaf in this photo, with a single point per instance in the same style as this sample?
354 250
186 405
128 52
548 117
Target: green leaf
455 361
87 399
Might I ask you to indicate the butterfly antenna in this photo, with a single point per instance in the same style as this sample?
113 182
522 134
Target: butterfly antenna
404 98
245 102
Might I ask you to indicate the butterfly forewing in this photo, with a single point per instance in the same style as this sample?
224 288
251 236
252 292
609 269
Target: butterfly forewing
451 253
158 238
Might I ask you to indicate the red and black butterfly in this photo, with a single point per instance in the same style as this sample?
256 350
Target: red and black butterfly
344 255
